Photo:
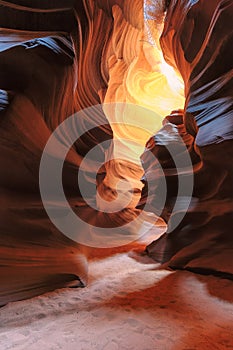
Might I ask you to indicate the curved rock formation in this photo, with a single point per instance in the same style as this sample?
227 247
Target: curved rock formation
35 257
43 82
60 57
197 40
37 15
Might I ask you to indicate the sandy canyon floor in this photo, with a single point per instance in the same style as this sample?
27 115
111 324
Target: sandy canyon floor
129 303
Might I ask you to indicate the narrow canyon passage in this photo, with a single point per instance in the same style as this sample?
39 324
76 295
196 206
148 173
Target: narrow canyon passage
116 198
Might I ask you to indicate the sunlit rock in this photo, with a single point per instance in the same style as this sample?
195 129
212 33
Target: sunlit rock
59 58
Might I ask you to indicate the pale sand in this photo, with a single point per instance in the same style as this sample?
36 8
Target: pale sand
128 304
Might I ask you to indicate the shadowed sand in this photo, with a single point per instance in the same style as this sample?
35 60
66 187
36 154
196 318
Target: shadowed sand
128 304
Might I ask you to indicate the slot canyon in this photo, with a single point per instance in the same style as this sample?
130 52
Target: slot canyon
116 165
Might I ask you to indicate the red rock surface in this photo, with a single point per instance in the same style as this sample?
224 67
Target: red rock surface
88 53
